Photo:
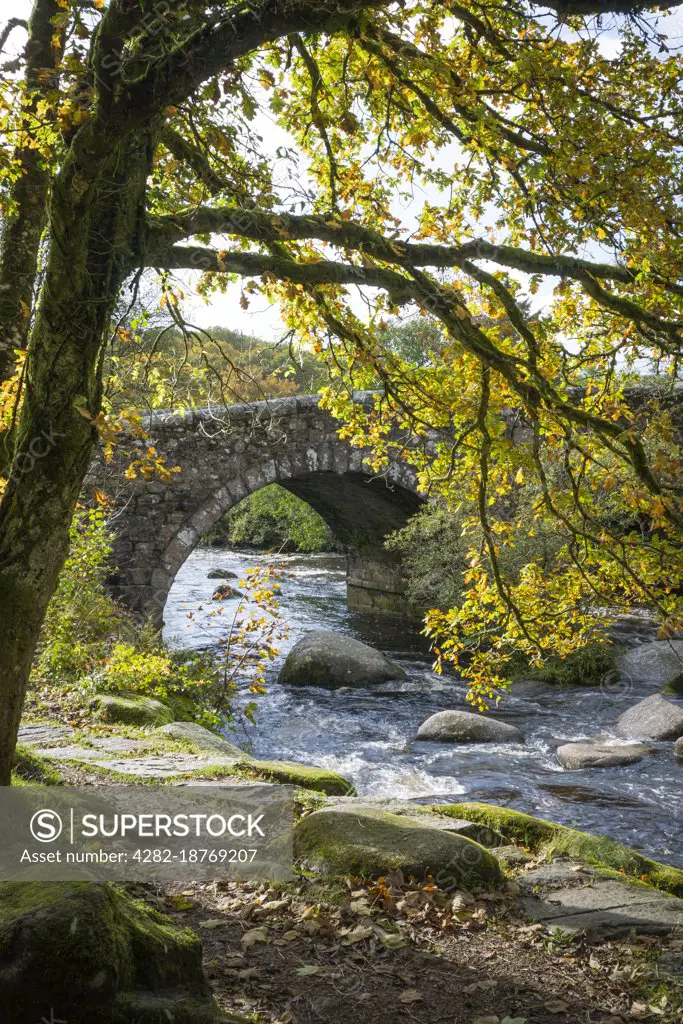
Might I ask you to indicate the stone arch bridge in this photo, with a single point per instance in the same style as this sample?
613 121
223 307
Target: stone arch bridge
227 453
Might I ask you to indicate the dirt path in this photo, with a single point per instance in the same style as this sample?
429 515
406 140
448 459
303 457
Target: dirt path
393 953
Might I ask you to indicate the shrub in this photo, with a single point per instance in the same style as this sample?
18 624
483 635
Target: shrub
81 618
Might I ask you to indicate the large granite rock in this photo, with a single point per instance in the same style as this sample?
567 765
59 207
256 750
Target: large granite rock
324 658
652 719
596 754
678 747
365 841
89 952
659 662
466 727
221 574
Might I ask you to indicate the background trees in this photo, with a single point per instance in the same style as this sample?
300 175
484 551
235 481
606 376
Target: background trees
136 136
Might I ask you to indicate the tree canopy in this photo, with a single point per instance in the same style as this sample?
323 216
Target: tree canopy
353 159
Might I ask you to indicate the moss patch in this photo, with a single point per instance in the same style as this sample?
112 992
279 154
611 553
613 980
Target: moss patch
302 775
31 770
547 837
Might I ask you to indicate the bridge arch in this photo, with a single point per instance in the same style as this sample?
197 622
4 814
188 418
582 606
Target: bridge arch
226 454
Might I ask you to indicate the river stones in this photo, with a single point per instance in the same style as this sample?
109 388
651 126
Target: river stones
325 658
596 754
221 574
466 727
678 747
369 842
659 662
652 719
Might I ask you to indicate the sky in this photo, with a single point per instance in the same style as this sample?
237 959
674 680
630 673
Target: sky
262 318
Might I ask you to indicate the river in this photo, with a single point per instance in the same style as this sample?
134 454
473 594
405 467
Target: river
367 735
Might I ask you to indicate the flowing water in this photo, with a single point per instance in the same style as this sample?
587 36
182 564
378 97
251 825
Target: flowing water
368 735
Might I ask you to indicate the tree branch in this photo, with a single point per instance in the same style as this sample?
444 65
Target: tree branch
252 264
263 227
9 28
215 46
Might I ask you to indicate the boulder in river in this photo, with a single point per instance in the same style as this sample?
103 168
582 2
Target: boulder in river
226 593
466 727
221 574
652 719
369 842
325 658
659 662
600 754
678 747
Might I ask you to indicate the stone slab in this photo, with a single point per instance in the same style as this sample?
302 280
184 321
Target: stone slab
158 767
38 735
605 909
102 748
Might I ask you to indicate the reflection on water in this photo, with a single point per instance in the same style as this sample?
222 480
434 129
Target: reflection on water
368 734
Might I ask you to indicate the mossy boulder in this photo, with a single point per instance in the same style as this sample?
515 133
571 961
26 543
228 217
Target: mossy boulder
91 952
549 838
369 842
325 658
132 709
203 741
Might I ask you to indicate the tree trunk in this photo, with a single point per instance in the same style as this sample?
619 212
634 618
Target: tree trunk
25 222
94 225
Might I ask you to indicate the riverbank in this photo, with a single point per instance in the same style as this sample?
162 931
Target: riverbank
563 930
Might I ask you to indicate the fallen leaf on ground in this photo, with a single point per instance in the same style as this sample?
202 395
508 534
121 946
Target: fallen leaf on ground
410 995
308 969
253 936
357 934
214 922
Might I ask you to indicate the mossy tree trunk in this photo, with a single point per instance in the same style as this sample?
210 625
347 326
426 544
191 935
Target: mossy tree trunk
24 224
94 222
